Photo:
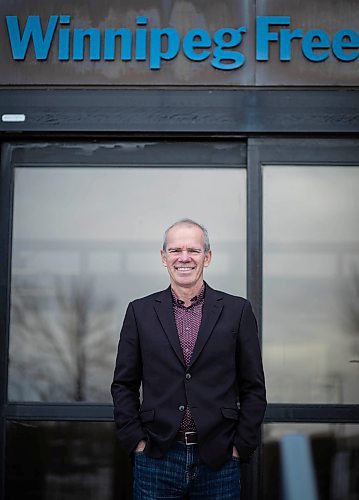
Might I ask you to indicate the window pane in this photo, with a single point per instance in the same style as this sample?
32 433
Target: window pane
65 460
86 242
311 284
335 452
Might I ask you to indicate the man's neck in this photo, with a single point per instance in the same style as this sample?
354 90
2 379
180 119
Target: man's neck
186 294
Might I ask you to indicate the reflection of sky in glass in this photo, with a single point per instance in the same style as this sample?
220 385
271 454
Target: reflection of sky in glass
85 242
311 269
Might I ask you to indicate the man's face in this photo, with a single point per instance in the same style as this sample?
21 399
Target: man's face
184 256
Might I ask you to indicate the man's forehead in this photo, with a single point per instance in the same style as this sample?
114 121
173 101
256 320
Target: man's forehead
185 231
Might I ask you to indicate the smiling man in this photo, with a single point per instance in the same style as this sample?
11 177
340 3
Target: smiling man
196 352
186 252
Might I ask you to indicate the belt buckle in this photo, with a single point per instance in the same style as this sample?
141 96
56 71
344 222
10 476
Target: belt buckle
185 437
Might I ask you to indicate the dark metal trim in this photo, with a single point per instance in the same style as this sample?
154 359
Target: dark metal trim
138 153
70 411
293 152
254 276
254 232
312 413
190 111
6 188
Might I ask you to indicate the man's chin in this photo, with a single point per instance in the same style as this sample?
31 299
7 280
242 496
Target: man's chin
186 281
185 276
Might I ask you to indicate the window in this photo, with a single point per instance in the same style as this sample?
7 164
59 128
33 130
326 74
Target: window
311 283
86 241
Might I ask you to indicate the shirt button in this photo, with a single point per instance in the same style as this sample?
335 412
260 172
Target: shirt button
181 408
188 376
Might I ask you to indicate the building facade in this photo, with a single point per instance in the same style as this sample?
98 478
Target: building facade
118 119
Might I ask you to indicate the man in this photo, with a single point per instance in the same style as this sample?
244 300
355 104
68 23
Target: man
196 352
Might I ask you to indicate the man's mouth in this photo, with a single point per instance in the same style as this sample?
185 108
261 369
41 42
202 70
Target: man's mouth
184 268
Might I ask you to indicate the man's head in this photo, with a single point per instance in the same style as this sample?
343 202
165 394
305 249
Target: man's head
185 253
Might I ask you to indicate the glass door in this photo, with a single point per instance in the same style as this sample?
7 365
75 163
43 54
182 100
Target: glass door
310 305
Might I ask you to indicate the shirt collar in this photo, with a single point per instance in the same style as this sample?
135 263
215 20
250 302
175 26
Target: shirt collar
197 299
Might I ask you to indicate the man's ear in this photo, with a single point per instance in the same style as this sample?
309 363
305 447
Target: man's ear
163 258
207 258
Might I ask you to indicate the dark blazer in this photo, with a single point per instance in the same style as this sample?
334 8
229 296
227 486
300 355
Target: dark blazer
223 384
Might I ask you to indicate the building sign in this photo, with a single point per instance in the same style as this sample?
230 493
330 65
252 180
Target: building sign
155 45
178 44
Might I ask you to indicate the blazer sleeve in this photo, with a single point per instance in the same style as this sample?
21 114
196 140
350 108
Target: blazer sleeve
125 388
251 385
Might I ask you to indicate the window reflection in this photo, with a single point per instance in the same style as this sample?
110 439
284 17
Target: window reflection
63 339
311 284
335 453
72 460
86 242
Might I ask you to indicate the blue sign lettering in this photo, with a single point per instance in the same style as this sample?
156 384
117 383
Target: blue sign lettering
79 44
141 39
158 45
315 44
314 40
264 36
285 47
157 37
220 55
346 39
64 40
110 37
196 39
33 29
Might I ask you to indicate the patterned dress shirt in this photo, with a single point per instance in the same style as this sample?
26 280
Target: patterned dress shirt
188 320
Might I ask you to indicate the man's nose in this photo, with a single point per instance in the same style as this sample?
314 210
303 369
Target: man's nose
184 257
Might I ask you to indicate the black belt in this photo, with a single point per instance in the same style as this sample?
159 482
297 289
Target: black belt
187 437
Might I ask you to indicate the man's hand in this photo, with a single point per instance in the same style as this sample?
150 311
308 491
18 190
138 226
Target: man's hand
235 453
140 446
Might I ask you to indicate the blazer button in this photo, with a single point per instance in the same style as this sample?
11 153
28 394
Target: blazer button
188 376
181 408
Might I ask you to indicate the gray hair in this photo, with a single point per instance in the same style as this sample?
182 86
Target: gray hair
189 222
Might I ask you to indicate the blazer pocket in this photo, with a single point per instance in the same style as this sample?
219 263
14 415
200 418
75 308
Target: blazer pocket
147 416
231 413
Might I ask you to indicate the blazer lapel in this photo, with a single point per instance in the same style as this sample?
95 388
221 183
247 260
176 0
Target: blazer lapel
212 308
164 311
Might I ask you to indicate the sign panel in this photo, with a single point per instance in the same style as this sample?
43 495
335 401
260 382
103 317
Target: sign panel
180 43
